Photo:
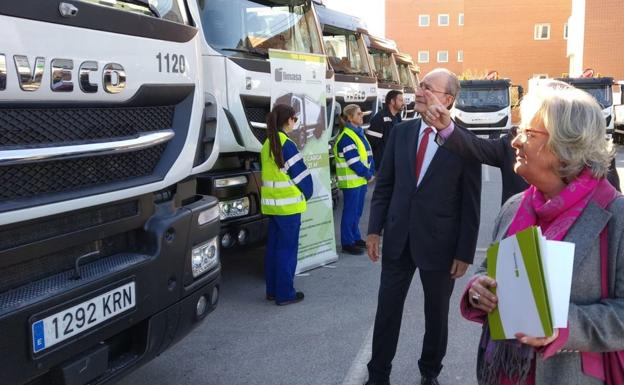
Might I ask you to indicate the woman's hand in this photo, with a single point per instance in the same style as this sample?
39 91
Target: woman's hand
480 296
537 342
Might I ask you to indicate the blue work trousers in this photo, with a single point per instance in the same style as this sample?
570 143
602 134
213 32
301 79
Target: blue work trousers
280 261
352 208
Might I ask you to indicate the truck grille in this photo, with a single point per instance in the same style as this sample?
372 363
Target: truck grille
57 152
45 126
367 105
25 181
500 124
256 110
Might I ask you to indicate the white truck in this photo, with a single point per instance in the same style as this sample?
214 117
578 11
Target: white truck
347 55
601 89
405 64
618 109
382 53
484 106
107 254
236 37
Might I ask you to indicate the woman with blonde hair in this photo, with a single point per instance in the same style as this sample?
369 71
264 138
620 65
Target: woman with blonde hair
354 168
562 153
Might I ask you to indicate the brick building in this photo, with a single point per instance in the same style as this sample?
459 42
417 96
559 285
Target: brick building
519 39
429 30
597 37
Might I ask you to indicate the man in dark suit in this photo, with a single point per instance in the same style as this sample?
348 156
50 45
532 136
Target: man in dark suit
426 202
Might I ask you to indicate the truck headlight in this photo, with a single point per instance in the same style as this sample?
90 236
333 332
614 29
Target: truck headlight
234 208
204 257
230 182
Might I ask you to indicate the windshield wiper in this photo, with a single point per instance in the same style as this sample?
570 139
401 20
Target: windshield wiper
248 51
146 4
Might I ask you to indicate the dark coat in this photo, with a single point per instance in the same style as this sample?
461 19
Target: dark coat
440 217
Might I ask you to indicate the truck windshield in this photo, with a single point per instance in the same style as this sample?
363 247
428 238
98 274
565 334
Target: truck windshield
482 99
172 10
384 66
602 93
346 53
405 75
242 27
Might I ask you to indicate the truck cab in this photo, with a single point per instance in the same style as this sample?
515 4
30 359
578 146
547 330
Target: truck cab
236 37
382 53
601 89
108 256
347 55
484 106
405 63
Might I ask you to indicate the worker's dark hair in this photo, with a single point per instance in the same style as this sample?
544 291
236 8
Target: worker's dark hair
276 119
391 95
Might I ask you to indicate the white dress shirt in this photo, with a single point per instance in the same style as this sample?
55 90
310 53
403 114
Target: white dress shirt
432 147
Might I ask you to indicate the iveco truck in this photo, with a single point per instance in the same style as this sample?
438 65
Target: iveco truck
107 254
237 36
354 81
484 106
404 65
382 54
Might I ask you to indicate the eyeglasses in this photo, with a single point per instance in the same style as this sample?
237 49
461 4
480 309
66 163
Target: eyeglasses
427 87
524 134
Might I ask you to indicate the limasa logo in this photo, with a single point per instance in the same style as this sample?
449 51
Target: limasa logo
281 75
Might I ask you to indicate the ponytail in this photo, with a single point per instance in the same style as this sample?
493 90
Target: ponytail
276 119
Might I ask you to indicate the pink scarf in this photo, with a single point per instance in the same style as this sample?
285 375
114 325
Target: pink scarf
556 216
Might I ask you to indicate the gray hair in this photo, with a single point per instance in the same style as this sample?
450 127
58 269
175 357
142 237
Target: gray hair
452 84
576 127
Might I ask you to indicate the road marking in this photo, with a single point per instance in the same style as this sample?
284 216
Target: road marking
358 372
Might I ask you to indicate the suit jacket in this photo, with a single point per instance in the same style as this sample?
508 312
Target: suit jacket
595 325
493 152
499 153
440 217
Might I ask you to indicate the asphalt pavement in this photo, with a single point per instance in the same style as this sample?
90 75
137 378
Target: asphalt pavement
323 340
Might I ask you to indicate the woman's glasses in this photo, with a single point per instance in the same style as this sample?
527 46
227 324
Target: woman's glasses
524 134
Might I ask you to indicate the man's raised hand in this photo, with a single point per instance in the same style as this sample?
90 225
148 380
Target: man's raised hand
436 115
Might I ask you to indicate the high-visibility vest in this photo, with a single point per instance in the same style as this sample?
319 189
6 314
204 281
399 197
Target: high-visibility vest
279 195
347 178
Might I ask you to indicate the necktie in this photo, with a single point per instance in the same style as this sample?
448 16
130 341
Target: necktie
422 149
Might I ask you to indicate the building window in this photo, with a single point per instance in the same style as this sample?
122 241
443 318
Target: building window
460 20
541 32
442 56
423 56
423 20
565 31
540 76
460 56
443 20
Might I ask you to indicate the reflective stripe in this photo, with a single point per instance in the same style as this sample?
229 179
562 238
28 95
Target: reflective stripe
349 177
349 148
282 202
300 177
353 160
374 134
293 159
369 153
342 165
270 184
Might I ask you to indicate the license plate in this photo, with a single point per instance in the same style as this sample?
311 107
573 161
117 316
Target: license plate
65 324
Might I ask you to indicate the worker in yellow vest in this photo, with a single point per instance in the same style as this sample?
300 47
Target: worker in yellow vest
354 168
286 186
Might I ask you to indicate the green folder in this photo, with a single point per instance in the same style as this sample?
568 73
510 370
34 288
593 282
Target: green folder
523 300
